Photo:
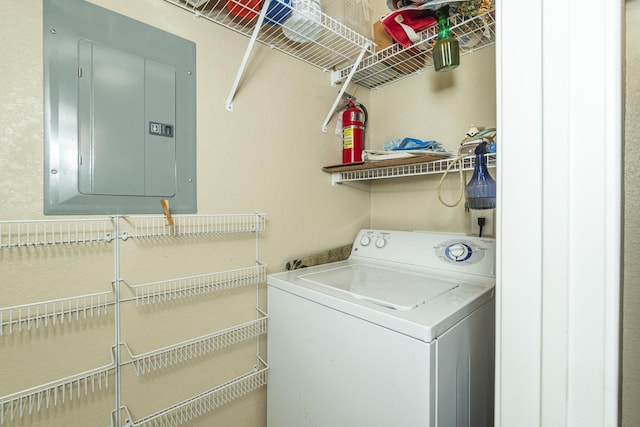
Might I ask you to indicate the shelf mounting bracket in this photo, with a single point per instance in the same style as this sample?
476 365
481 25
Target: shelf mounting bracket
344 85
336 178
247 55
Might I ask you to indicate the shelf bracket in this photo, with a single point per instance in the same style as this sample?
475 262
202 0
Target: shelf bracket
344 85
247 55
336 178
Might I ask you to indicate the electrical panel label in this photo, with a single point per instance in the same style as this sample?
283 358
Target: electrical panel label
160 129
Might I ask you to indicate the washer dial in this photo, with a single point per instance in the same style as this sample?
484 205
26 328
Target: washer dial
460 252
381 242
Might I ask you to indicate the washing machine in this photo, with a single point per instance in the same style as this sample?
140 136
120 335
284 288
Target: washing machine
401 334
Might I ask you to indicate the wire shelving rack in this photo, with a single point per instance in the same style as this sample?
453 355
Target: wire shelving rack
55 232
165 357
336 43
27 317
380 171
149 293
145 226
205 402
338 46
395 63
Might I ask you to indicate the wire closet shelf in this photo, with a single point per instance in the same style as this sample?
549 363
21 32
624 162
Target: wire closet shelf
145 226
26 317
335 43
165 357
55 232
412 169
395 62
338 45
54 393
25 233
184 287
195 406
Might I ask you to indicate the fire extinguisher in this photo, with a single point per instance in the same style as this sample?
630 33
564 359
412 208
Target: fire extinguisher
354 122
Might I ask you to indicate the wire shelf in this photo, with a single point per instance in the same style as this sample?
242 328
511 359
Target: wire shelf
335 44
412 169
27 317
200 404
54 393
189 225
156 292
52 232
395 62
171 355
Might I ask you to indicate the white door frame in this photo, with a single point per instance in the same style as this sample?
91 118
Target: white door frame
559 66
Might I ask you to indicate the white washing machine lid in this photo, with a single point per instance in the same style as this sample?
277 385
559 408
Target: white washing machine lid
381 286
418 304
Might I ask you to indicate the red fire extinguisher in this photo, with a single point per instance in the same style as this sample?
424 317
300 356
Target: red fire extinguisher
354 122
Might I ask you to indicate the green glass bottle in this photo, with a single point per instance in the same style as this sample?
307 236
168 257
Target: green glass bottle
446 52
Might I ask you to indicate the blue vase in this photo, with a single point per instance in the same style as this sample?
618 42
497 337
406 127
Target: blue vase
481 190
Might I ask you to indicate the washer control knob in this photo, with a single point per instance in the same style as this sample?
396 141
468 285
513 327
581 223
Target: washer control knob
381 242
365 240
465 252
457 250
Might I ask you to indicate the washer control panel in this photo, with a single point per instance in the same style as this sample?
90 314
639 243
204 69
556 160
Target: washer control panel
459 251
443 251
374 239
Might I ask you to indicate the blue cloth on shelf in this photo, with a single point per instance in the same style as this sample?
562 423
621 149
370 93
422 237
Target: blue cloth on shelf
411 144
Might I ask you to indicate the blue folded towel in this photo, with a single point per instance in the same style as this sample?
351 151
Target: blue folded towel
411 144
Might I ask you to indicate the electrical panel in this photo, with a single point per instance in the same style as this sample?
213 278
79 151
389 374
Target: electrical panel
120 126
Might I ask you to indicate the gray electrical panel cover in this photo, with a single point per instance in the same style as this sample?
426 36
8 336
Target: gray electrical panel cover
120 114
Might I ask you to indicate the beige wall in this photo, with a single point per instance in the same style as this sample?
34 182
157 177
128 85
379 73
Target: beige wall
265 156
431 106
631 292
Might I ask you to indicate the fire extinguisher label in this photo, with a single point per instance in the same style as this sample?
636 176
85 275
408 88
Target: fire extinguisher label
347 138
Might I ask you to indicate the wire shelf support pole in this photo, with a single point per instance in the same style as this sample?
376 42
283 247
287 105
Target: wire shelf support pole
247 55
343 88
116 287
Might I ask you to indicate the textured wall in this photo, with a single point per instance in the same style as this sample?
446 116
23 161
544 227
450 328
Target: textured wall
434 106
631 302
248 161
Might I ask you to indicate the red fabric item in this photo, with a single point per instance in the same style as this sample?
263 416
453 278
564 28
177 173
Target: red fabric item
247 9
403 24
